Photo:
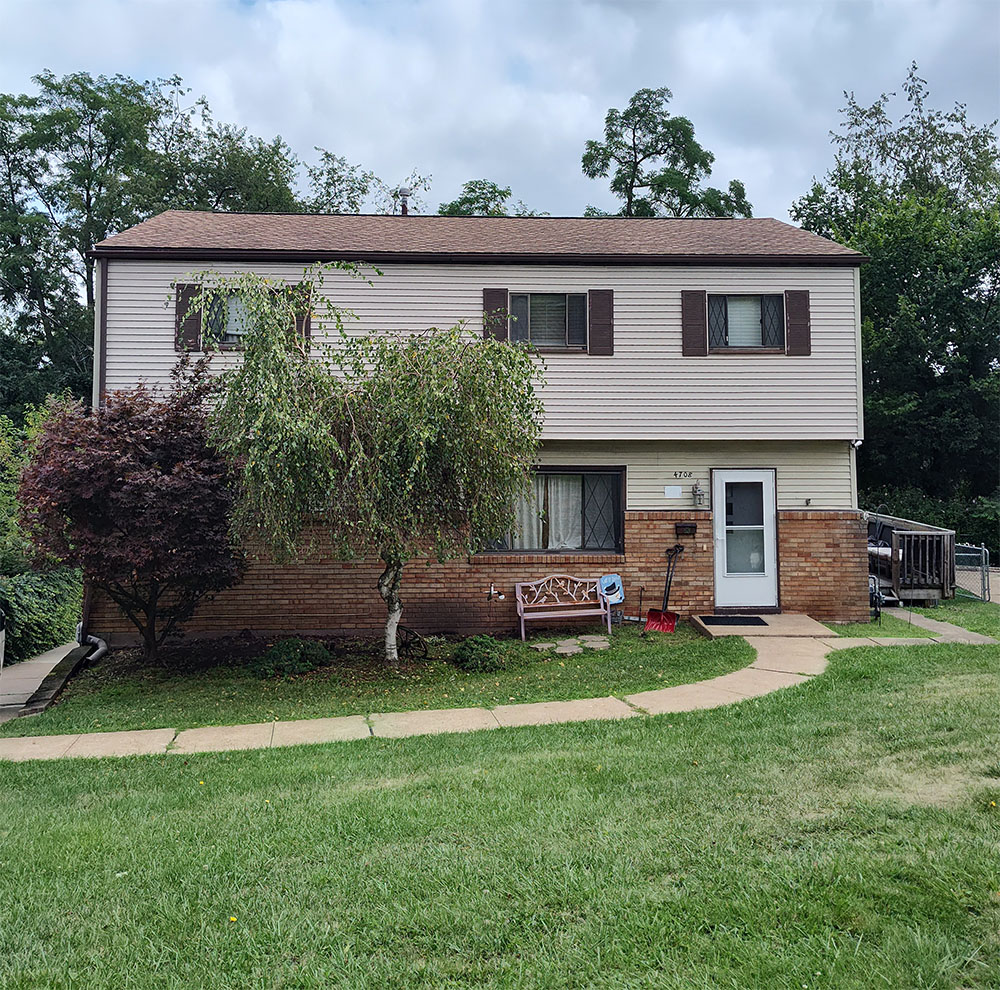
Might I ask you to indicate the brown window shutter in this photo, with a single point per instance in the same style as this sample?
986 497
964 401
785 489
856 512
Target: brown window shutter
601 324
694 322
495 315
187 321
798 332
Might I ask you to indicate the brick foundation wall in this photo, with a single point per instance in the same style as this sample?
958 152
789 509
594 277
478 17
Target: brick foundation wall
822 567
823 564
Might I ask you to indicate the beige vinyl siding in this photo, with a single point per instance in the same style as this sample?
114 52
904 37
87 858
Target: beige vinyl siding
809 474
647 390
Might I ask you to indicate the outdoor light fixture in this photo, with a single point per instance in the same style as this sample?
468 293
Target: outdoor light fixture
698 494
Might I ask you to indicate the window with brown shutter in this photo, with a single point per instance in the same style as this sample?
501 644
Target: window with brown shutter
798 328
581 322
775 323
187 318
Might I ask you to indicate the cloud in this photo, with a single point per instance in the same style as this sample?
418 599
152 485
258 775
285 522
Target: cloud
511 90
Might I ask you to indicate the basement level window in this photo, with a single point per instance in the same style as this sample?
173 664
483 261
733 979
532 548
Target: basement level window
737 322
549 319
571 510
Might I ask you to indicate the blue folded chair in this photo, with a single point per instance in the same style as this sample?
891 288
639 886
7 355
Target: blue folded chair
612 588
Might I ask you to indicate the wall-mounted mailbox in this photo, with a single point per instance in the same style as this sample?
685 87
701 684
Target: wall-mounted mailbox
685 528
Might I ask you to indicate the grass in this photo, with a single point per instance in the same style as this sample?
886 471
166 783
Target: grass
840 834
212 685
891 626
970 613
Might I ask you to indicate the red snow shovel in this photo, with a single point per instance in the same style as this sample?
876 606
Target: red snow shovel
660 620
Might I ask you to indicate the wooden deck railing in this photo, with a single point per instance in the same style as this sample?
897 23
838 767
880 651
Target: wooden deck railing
921 559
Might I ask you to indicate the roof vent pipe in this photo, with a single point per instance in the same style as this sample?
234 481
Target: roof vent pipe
404 192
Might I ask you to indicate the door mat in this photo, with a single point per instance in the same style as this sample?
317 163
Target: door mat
732 620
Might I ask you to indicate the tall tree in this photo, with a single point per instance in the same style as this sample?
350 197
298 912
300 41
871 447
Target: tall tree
394 447
919 195
657 168
338 186
483 198
83 158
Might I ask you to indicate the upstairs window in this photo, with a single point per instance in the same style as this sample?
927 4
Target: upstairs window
226 320
571 511
738 322
549 319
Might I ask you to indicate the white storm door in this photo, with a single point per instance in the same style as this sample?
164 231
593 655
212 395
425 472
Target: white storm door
746 559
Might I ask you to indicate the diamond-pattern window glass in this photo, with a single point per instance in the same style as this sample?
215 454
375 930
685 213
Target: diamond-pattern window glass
772 321
599 511
718 333
215 318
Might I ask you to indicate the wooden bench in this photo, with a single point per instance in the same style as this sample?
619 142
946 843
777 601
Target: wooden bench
560 596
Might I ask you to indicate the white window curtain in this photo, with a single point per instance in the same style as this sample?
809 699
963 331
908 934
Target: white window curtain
237 317
529 517
565 512
551 518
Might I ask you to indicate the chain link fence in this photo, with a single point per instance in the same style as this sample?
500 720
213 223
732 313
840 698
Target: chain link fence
972 571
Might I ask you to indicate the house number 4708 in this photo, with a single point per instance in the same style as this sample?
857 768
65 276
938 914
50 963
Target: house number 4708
683 474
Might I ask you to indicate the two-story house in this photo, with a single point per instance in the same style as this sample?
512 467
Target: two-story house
703 386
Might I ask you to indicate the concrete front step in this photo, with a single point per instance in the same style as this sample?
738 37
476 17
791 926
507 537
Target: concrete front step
783 625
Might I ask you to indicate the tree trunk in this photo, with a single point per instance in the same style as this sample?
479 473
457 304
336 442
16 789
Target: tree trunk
149 643
388 588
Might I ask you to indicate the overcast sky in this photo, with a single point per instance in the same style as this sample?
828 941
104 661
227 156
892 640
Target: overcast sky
510 91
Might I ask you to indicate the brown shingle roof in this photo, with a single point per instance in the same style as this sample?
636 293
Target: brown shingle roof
432 238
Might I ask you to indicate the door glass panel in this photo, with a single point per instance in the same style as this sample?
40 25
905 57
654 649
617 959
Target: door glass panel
744 551
744 503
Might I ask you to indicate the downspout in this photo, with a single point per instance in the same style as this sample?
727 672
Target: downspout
82 637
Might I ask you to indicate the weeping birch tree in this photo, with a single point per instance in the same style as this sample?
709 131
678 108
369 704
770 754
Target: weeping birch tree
390 446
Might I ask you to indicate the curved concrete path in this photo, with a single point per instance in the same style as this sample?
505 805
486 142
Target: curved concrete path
781 662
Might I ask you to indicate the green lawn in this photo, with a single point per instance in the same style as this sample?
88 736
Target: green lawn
210 686
840 834
980 617
890 626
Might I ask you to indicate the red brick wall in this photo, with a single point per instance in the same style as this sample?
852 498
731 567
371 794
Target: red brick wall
822 564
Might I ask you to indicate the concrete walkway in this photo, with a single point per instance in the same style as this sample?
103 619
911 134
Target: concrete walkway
19 681
781 662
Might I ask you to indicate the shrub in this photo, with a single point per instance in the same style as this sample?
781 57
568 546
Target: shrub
975 519
14 549
42 610
289 657
479 655
134 495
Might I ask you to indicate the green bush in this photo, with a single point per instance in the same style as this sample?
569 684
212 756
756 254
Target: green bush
479 655
289 657
14 549
975 519
42 610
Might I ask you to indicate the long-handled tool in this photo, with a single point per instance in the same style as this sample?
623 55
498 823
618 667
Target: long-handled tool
660 620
